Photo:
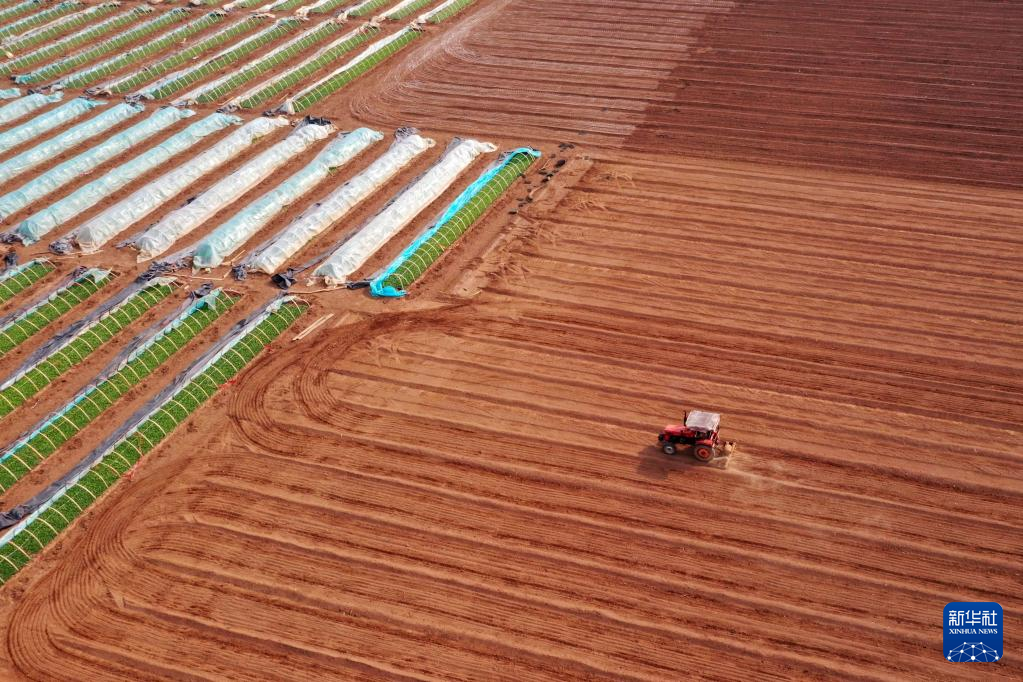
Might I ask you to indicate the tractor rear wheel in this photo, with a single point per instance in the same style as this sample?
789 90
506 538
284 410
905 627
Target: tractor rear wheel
668 448
704 453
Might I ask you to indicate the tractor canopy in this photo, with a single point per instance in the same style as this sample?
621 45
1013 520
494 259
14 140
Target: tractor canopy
703 421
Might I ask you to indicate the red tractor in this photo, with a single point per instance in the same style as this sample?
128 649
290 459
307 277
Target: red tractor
699 429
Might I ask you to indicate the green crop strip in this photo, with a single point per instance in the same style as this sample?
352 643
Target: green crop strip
87 341
19 9
429 250
340 80
273 33
288 80
13 44
153 71
368 8
40 18
111 44
62 46
142 439
148 49
34 321
14 283
287 5
450 11
410 9
26 455
270 61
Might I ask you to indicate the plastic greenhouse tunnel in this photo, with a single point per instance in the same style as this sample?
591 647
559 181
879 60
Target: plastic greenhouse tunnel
470 205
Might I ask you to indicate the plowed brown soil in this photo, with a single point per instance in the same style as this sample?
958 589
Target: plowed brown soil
803 215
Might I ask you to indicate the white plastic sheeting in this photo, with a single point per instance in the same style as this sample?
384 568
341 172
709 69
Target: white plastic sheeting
394 10
48 149
47 121
10 93
401 211
229 237
89 160
241 3
26 105
176 224
42 222
102 228
270 257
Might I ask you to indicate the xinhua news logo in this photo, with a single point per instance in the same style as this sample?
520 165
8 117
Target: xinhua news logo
973 632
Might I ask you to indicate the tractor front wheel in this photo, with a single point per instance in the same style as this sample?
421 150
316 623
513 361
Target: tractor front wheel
668 448
704 453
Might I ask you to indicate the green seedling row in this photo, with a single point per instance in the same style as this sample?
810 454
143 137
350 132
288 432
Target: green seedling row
148 49
117 42
38 18
450 11
215 65
367 8
417 262
19 9
340 80
64 45
73 502
25 326
290 79
30 274
27 454
16 44
288 5
86 342
269 62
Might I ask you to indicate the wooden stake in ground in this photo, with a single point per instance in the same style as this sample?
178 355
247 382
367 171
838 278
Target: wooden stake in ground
309 330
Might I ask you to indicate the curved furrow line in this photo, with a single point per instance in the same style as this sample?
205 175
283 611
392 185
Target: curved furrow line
529 477
681 558
287 565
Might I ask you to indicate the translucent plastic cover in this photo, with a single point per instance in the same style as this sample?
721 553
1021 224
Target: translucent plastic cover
401 211
89 160
42 222
273 255
177 224
96 232
231 235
